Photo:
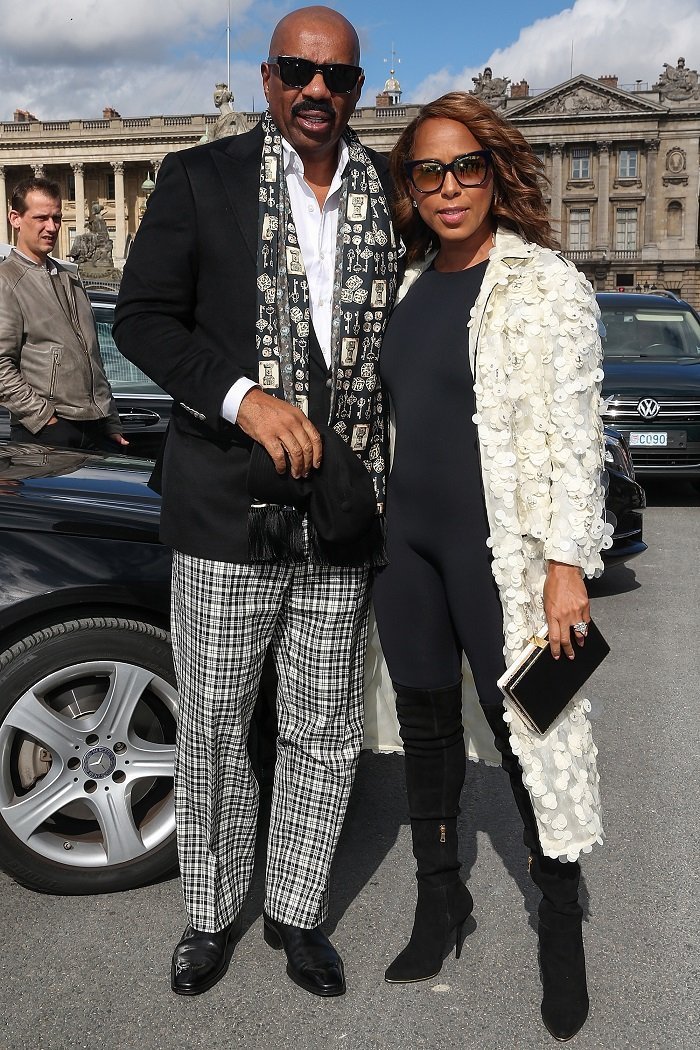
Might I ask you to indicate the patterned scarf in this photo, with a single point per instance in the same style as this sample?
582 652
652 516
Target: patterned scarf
364 290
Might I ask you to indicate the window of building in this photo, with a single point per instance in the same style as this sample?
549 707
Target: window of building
626 229
70 182
579 228
627 164
581 162
674 219
109 178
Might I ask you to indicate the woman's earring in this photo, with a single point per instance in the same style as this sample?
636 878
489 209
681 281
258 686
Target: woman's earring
415 203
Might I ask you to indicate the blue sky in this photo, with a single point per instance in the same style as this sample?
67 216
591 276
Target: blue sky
151 58
465 38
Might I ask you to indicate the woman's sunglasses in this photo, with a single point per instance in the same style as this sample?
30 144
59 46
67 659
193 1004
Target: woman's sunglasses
298 72
427 176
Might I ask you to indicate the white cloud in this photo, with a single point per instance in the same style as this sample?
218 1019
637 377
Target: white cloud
71 58
77 29
630 38
77 56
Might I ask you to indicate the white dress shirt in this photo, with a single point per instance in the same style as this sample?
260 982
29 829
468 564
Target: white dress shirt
317 230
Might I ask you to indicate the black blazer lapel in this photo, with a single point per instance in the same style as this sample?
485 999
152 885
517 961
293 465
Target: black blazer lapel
238 164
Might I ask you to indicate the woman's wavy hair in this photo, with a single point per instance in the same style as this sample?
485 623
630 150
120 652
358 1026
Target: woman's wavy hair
518 202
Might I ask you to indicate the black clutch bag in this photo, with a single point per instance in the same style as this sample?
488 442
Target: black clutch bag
540 687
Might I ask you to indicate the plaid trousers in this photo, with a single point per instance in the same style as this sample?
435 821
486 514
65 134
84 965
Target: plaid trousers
224 617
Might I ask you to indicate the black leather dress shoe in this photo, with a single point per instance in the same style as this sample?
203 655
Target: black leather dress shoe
201 959
312 961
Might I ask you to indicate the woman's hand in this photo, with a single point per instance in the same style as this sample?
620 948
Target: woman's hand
565 603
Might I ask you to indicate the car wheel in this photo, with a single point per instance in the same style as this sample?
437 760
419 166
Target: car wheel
88 713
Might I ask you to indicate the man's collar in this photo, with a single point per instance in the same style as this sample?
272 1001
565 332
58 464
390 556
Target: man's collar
49 263
294 163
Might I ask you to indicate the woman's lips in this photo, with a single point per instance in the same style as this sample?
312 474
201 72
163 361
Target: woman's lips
452 216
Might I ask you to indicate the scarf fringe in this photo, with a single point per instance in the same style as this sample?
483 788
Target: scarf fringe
276 533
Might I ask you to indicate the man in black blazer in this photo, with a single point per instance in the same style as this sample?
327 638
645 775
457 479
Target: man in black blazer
256 294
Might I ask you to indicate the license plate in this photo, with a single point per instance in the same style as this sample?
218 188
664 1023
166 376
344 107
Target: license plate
647 438
657 439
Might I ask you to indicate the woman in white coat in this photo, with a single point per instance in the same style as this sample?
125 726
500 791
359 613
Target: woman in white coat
494 515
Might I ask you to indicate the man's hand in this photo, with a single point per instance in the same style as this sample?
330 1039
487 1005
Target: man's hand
565 603
281 428
119 438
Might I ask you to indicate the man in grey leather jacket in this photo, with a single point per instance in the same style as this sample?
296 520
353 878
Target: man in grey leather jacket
52 378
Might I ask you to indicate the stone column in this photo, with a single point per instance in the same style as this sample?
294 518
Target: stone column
652 148
602 229
4 206
119 208
155 164
79 173
557 149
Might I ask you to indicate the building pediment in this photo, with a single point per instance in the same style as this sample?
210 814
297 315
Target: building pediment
582 96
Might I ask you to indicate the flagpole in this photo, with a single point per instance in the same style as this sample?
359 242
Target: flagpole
228 47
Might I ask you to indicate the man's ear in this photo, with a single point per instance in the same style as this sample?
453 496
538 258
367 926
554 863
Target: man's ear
265 73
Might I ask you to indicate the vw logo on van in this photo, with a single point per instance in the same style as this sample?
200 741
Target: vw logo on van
648 408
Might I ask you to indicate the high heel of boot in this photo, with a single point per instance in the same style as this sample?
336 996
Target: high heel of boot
465 927
441 914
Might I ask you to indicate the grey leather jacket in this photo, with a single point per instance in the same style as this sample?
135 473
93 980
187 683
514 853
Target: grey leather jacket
50 360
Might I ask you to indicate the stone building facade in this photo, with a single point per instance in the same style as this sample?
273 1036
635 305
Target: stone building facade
623 170
623 167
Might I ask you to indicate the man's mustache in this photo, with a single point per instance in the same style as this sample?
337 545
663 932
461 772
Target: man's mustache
307 106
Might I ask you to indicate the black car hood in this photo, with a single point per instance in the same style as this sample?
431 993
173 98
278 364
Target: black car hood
631 376
77 493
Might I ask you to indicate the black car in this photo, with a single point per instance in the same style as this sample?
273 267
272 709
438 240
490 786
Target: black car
651 388
144 408
88 702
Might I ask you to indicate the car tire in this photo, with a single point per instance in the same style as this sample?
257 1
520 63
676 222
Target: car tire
88 712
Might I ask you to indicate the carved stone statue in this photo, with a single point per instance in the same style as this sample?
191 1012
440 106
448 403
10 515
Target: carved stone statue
93 251
678 83
582 100
491 89
103 242
229 122
83 248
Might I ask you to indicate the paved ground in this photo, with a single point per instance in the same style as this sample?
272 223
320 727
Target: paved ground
92 972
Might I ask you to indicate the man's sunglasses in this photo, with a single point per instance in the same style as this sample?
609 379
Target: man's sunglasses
427 176
298 72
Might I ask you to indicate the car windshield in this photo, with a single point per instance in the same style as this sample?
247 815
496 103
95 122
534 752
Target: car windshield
650 333
124 377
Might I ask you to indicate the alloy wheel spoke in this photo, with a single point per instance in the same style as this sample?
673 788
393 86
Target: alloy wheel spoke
112 809
30 715
26 814
150 760
127 686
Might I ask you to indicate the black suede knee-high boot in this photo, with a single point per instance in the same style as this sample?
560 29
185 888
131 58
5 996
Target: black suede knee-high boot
433 736
562 960
560 928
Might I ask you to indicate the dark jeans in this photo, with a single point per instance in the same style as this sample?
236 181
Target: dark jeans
86 434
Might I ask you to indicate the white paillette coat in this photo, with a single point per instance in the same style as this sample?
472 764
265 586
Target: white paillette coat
535 354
